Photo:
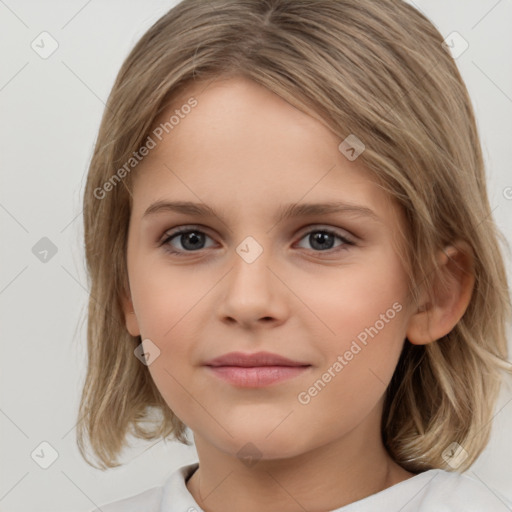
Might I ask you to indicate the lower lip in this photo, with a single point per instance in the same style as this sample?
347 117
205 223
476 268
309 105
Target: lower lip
257 376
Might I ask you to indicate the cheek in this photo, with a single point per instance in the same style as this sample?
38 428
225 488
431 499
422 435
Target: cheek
168 302
364 311
359 298
343 318
165 297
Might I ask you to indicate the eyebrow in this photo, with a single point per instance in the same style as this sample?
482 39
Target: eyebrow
285 212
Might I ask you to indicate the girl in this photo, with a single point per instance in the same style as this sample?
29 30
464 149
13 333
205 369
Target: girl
292 254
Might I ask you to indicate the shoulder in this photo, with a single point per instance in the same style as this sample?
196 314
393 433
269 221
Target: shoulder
449 491
149 501
171 496
435 490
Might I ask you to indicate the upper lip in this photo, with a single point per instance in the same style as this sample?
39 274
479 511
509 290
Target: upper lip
251 360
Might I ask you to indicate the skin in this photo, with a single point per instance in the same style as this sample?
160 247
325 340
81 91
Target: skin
245 152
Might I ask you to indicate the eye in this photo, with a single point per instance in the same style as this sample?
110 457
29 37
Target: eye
192 239
323 239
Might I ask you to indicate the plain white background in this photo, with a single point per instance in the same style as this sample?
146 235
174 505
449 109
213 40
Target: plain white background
51 109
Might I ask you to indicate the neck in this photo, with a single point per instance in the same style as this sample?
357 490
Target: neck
327 477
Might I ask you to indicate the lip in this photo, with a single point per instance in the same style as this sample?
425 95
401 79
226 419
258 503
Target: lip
251 360
255 370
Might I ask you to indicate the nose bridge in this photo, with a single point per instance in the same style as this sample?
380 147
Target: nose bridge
251 291
250 268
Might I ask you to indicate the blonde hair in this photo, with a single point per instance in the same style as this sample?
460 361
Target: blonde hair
374 69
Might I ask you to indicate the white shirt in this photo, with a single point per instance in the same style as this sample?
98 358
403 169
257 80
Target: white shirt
435 490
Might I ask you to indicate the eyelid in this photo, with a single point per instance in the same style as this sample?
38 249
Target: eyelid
347 238
342 233
168 233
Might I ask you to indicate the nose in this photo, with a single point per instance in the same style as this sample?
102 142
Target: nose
252 293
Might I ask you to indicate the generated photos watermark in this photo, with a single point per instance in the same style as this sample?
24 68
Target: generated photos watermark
357 345
151 143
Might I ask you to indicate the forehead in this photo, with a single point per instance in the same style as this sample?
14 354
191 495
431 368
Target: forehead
238 112
244 146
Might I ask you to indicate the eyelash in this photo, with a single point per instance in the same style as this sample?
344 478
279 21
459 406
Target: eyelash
192 229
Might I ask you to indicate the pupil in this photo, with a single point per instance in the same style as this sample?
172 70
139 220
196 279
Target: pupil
195 238
321 239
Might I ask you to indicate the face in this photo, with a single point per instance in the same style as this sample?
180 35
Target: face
326 290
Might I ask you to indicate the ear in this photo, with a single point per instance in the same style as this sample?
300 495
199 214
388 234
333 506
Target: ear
132 325
453 286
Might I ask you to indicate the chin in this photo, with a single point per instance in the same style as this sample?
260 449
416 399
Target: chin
256 444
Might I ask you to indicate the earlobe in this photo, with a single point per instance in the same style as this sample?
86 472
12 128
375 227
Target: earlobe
130 318
451 294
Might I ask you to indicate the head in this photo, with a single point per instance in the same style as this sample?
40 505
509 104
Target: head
254 112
